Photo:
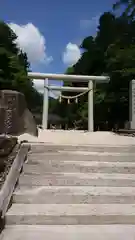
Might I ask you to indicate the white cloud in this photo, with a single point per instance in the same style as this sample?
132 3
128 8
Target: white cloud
72 54
54 94
31 41
89 23
39 85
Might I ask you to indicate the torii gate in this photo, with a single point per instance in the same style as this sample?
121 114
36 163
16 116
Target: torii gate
72 78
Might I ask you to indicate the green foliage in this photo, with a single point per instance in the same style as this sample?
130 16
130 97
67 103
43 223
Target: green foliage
14 66
129 6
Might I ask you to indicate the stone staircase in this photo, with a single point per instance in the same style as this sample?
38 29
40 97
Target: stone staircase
74 193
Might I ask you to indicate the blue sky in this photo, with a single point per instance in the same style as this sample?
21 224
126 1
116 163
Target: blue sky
60 24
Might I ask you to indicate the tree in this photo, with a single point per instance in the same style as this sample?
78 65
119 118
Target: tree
110 54
129 7
14 66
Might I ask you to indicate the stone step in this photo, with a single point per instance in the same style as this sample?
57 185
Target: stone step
73 214
75 232
79 166
91 148
81 179
105 157
74 195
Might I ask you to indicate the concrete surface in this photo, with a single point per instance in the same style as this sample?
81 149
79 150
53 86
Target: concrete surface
79 166
74 194
76 137
111 157
47 148
11 179
75 232
80 193
81 179
55 214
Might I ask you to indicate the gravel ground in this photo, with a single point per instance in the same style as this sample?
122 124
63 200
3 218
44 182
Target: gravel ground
79 138
6 162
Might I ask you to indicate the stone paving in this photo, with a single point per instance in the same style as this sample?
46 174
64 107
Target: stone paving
74 193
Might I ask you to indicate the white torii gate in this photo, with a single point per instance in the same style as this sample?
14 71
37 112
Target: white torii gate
71 78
